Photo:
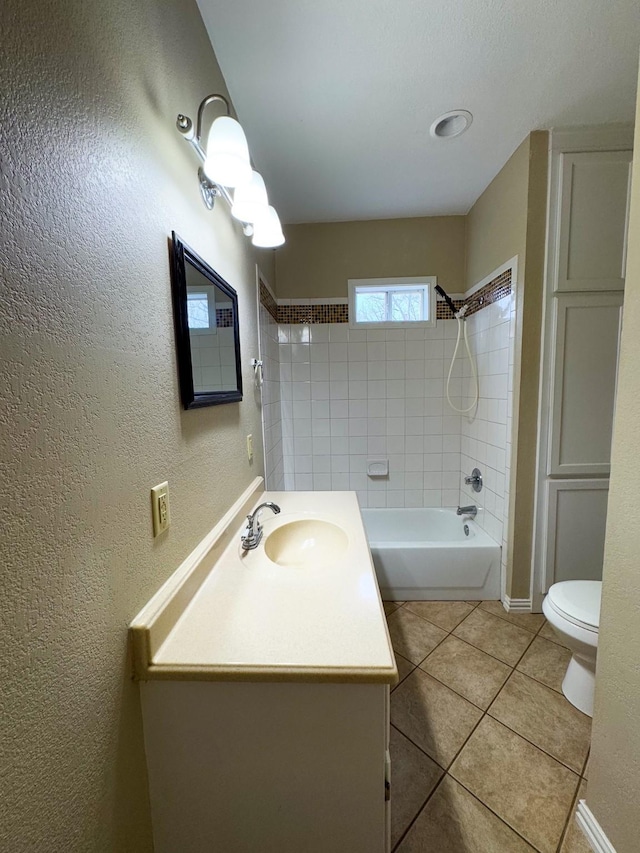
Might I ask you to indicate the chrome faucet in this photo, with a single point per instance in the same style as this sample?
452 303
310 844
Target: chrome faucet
253 533
474 480
467 510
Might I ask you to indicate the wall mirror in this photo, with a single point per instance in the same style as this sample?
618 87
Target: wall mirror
207 336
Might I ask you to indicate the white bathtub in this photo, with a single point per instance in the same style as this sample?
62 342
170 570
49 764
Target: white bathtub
426 554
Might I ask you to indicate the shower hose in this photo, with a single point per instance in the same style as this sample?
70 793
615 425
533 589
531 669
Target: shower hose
462 324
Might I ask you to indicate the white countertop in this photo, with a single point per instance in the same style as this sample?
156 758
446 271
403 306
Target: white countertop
254 619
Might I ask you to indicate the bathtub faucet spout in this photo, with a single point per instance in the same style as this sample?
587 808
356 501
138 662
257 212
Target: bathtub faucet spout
467 510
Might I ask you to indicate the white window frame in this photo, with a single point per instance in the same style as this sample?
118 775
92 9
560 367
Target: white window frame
426 281
208 291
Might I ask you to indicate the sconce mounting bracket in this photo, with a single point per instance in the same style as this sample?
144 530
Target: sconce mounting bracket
208 190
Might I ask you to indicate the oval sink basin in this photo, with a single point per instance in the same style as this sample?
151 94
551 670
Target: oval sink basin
306 542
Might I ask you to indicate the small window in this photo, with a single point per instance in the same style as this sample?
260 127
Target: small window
201 311
198 310
380 303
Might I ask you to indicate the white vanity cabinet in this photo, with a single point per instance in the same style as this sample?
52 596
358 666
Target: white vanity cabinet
246 767
264 683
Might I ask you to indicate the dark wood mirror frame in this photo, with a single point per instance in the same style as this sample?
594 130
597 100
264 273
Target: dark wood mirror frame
181 255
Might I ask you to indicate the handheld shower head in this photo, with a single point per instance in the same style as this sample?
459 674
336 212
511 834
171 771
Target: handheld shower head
446 298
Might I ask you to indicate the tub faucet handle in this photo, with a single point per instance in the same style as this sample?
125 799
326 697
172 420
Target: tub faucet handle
474 480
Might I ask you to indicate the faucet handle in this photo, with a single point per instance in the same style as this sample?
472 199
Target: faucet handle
474 480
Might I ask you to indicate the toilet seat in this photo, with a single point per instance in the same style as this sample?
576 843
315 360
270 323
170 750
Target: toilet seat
578 602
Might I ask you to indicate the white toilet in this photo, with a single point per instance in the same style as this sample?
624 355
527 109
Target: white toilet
572 608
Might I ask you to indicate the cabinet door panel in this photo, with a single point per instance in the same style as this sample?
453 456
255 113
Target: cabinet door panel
576 534
593 220
584 382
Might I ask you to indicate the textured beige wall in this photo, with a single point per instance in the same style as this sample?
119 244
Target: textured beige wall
509 219
613 791
94 177
529 300
497 222
318 259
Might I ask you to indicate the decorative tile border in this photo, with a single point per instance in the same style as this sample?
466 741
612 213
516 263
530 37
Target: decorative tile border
496 289
310 314
268 301
224 318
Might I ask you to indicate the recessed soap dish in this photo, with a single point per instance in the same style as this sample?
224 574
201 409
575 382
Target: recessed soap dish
378 467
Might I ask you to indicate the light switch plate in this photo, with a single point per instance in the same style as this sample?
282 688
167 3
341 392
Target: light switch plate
250 447
160 508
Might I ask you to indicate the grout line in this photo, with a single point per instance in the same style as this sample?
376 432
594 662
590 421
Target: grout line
586 762
439 643
485 713
404 678
522 672
430 757
453 689
535 746
466 740
524 737
565 830
447 773
488 654
451 634
532 634
495 814
555 642
435 624
419 812
505 619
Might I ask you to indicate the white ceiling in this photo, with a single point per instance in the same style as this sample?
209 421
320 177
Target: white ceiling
337 96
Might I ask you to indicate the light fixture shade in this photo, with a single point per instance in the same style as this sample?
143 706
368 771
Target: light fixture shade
227 161
267 231
250 200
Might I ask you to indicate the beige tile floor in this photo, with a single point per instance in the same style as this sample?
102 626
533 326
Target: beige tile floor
487 754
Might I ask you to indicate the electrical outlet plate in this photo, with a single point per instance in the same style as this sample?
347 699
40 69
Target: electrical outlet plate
160 508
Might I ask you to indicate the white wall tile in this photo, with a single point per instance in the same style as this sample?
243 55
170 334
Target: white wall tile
339 409
358 389
338 370
318 353
376 370
485 435
338 333
352 393
340 445
376 351
321 445
340 482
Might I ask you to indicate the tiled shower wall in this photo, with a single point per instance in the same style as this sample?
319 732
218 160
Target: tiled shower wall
271 404
486 437
351 394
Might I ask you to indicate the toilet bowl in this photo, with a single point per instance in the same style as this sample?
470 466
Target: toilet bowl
572 608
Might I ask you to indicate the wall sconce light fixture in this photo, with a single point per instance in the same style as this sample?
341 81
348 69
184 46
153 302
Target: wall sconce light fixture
227 167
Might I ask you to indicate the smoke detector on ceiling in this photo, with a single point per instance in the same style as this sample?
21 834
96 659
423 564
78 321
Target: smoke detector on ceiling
451 124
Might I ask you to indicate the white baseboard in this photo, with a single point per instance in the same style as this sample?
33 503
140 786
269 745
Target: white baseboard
592 830
517 605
